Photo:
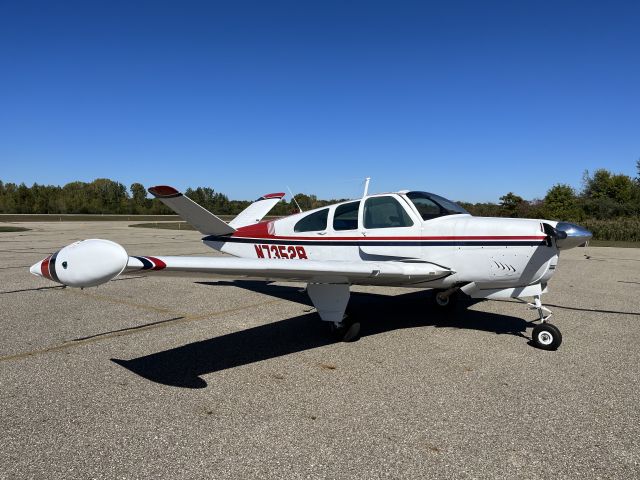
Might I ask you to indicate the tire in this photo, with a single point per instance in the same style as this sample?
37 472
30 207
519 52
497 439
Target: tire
546 336
447 304
348 332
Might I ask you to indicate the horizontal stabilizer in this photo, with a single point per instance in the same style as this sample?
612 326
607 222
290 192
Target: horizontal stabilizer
200 218
256 211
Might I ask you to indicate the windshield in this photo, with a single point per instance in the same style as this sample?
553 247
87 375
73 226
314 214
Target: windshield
431 206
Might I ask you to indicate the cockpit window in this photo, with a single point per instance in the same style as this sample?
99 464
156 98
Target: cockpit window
385 212
313 222
431 206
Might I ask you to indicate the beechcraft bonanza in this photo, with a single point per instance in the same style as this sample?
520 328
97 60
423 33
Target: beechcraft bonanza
406 238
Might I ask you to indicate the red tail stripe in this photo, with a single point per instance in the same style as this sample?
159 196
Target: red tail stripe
274 195
163 191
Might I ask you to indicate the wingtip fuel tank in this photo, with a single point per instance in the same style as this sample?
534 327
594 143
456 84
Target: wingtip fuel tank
86 263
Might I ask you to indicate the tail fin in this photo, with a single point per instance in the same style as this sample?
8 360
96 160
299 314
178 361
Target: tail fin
257 210
202 219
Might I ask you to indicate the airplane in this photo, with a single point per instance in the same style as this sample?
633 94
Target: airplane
399 239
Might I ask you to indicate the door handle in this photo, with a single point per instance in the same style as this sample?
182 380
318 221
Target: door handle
322 233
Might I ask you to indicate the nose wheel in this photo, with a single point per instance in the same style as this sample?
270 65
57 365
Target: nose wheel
545 335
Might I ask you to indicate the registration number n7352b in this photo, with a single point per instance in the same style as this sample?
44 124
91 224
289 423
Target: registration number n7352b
281 251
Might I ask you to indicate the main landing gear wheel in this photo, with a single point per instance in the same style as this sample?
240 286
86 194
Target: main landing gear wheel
345 331
546 336
444 301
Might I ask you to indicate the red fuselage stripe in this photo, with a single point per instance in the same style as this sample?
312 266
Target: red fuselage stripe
362 238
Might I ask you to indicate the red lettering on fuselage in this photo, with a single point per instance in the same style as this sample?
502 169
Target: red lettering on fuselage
281 251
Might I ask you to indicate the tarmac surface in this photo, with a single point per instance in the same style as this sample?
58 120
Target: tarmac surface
151 377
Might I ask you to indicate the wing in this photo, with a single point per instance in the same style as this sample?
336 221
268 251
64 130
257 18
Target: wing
296 270
95 261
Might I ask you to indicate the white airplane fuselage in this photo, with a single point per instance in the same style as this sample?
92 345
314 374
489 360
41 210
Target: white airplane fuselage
492 252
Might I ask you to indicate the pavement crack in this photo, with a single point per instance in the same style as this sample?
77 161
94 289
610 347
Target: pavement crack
127 329
180 318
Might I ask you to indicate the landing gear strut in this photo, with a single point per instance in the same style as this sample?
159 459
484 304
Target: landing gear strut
545 335
330 300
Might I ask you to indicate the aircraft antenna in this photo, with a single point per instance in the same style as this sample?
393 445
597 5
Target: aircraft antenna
366 186
294 199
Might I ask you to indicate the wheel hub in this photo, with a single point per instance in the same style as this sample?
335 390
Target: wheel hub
545 338
442 300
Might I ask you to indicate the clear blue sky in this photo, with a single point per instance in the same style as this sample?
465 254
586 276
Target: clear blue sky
470 99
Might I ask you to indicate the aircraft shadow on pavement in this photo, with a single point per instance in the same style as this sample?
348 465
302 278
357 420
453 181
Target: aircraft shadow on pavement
183 366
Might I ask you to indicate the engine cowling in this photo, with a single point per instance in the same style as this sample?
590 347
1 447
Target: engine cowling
86 263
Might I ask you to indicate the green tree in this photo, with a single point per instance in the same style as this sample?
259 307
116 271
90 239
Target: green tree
203 196
510 203
108 196
530 209
561 203
607 195
24 200
74 198
604 184
138 198
305 201
482 209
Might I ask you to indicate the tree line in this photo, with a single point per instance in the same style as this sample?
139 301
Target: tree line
608 202
604 196
105 196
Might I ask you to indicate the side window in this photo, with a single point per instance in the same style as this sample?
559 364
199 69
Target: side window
346 216
385 212
313 222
